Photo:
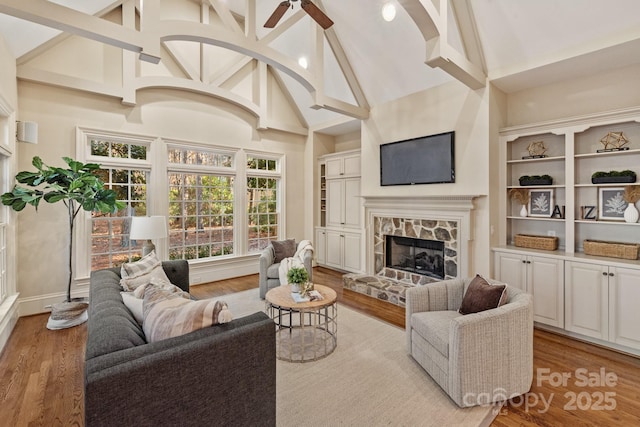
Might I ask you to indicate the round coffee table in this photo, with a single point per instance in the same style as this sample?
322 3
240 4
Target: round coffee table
305 331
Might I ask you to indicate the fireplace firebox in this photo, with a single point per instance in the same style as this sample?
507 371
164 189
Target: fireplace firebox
420 256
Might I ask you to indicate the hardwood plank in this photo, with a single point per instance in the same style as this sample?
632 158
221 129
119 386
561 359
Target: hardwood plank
42 371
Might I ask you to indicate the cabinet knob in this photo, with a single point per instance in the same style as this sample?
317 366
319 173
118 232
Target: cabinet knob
524 262
604 273
528 262
611 274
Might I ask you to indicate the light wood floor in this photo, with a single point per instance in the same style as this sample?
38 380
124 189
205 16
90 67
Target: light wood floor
41 371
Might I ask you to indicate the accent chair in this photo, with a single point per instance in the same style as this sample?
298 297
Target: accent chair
476 358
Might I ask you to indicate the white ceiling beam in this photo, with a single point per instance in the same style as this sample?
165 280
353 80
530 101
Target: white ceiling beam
221 77
431 20
128 57
339 106
226 16
283 26
287 93
181 62
463 12
260 86
24 72
204 57
71 21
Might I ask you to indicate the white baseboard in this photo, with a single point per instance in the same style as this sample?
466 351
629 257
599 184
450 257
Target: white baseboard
8 319
39 304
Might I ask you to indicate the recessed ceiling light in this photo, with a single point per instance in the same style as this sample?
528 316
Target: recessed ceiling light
388 12
302 61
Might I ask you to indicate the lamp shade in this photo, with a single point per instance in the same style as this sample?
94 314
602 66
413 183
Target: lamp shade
148 227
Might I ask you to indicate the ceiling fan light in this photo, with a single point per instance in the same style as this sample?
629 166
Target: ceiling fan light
389 12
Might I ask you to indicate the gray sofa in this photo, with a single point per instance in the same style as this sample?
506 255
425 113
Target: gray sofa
221 375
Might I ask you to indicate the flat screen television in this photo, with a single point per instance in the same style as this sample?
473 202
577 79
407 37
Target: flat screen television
425 160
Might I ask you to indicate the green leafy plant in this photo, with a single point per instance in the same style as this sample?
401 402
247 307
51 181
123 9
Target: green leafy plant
297 275
601 174
77 186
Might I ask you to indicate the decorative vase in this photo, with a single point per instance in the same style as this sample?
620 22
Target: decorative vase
523 211
631 213
296 288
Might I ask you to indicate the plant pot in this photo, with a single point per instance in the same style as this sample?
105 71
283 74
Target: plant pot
613 179
525 182
296 288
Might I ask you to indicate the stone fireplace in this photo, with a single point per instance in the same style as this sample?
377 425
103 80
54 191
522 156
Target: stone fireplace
445 220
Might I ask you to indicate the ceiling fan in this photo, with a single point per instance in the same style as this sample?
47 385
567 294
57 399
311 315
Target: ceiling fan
312 10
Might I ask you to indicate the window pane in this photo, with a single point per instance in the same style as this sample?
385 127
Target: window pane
196 204
110 243
262 211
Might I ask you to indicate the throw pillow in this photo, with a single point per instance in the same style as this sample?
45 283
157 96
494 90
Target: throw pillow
135 274
143 265
283 249
134 305
133 300
481 296
168 315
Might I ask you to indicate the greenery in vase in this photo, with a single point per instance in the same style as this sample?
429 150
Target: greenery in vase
77 186
297 275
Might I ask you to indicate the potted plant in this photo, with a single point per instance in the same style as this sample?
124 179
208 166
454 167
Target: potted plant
631 195
297 277
79 188
535 180
625 176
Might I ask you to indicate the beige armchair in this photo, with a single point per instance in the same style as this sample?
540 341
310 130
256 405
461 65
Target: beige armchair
475 358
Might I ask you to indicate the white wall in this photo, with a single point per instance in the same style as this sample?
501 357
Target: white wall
607 91
164 113
451 106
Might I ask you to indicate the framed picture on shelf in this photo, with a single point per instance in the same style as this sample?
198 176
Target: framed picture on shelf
541 203
611 204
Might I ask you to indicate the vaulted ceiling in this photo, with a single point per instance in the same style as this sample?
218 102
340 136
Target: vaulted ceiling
361 61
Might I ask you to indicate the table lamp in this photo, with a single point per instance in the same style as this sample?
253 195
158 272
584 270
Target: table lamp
147 228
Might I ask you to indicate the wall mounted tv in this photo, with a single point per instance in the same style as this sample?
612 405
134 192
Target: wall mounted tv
425 160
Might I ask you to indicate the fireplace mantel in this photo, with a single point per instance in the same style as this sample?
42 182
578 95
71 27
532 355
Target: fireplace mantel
458 209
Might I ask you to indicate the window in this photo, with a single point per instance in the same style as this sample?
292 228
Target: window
110 244
263 208
201 203
125 170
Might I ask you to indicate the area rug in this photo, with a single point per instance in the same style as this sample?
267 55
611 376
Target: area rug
369 380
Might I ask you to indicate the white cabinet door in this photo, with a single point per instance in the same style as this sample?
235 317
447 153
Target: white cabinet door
334 248
586 299
335 168
545 281
351 165
542 277
352 202
511 269
352 252
347 165
624 311
335 203
320 246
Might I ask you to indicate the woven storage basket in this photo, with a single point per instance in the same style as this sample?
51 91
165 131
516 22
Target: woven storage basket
547 243
611 249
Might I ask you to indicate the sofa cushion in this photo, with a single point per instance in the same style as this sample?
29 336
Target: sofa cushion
481 296
433 326
273 272
283 249
169 314
135 274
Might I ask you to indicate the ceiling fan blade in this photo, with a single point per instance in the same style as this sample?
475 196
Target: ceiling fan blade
317 15
277 14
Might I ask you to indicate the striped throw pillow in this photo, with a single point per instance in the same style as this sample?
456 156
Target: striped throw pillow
169 314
